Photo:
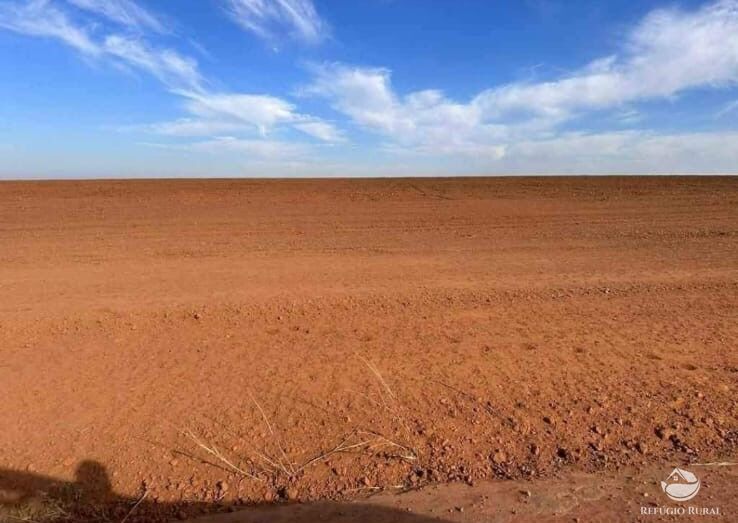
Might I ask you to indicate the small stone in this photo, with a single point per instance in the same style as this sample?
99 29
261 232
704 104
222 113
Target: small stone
499 457
268 496
292 494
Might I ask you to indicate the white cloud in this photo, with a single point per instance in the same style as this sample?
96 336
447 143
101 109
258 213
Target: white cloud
669 52
214 113
123 12
211 112
324 131
273 19
171 68
514 127
260 111
423 120
41 18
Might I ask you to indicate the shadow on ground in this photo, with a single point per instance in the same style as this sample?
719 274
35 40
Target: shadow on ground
30 497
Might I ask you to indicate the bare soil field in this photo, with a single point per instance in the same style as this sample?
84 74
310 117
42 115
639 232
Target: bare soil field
200 345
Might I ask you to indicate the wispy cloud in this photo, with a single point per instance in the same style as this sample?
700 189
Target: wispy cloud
168 66
728 108
213 112
187 127
124 12
321 130
275 20
255 149
260 111
42 18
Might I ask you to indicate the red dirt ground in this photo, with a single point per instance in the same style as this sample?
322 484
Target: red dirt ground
334 338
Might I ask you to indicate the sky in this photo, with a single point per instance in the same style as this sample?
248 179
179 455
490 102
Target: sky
290 88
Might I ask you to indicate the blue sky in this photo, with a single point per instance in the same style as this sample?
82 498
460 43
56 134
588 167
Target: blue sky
117 88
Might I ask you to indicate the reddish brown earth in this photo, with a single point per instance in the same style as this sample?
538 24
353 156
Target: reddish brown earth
330 339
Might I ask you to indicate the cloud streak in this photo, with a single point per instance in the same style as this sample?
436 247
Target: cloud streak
260 149
275 20
123 12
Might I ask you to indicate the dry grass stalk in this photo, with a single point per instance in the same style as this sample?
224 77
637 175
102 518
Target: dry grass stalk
291 471
134 507
376 440
285 466
379 377
411 454
273 466
341 447
213 451
47 509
